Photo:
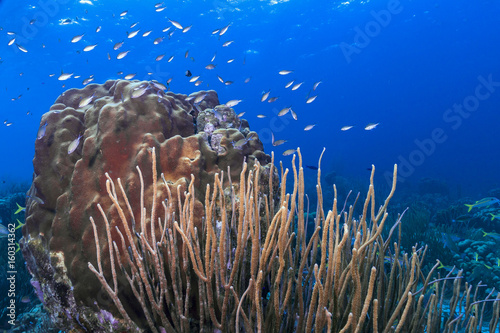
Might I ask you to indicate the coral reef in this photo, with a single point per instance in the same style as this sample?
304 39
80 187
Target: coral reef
113 134
152 211
257 272
34 320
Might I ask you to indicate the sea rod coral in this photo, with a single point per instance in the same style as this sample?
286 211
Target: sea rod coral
254 270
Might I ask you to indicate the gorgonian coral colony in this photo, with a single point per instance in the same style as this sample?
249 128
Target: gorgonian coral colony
168 216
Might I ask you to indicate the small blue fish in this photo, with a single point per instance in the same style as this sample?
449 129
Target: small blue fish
36 199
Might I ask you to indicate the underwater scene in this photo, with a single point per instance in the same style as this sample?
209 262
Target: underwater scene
250 166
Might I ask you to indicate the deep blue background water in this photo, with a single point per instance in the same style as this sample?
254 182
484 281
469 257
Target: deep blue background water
406 74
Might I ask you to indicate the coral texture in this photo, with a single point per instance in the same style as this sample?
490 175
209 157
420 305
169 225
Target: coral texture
122 121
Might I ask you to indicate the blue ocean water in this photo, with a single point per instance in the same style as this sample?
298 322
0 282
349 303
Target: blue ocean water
402 64
427 73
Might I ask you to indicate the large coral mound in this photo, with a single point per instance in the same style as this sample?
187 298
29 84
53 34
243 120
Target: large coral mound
118 121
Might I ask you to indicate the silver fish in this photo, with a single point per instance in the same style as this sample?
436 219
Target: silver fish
158 85
88 80
233 102
278 142
86 101
199 98
139 92
74 144
265 96
309 127
346 128
223 30
35 199
289 152
240 143
289 83
371 126
311 99
176 24
122 55
89 48
285 72
77 38
64 76
133 34
41 131
22 49
284 111
118 45
297 86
